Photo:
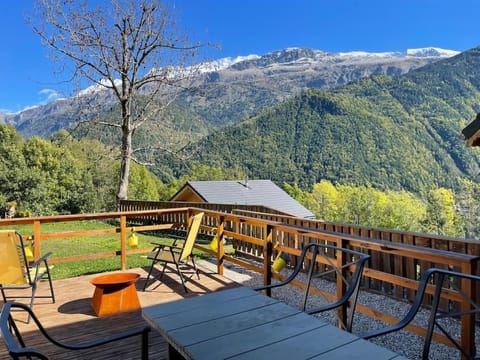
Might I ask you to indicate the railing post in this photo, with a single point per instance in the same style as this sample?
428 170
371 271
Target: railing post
267 256
467 330
342 311
220 249
36 237
123 242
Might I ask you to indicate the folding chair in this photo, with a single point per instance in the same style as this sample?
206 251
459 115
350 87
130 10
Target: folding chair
176 254
323 266
17 347
17 272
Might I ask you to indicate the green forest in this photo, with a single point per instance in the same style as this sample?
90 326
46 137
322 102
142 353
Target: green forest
440 211
68 176
63 175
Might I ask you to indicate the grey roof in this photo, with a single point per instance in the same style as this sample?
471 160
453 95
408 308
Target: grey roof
254 192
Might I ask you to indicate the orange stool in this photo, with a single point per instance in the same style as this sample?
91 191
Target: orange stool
115 293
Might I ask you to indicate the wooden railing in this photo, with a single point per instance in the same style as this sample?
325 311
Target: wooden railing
395 266
136 205
153 220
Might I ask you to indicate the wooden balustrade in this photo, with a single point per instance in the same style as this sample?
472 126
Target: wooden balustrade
394 268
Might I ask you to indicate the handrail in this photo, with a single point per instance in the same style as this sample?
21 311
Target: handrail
263 234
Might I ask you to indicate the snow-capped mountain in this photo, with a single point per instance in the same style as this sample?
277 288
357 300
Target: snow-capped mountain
431 52
236 88
310 56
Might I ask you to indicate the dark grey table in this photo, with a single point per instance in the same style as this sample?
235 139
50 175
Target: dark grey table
241 323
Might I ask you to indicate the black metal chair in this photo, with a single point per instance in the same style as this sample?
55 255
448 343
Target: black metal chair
331 265
443 280
17 347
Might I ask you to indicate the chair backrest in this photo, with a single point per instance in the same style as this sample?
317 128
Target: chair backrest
330 277
13 266
441 320
191 236
451 282
331 263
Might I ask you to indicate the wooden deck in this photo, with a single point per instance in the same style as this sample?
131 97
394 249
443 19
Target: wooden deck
72 318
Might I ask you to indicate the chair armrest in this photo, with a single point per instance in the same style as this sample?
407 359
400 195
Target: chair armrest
108 339
9 333
40 260
163 246
174 242
271 286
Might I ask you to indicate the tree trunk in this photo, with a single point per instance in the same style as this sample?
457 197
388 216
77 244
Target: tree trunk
127 132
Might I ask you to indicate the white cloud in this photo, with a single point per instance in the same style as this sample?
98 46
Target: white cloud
48 95
45 96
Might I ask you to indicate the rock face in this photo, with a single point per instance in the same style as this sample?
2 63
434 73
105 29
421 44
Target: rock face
231 89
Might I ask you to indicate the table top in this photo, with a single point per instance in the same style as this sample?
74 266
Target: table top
241 323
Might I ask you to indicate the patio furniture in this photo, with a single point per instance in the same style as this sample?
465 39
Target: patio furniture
17 347
241 323
115 293
444 281
177 254
320 266
18 273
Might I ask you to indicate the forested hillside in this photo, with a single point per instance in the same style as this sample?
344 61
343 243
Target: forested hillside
63 176
390 132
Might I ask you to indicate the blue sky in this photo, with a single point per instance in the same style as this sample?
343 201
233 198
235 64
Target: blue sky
243 27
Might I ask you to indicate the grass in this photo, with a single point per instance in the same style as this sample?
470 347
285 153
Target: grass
83 245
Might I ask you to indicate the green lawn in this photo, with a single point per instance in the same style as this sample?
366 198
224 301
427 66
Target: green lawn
91 245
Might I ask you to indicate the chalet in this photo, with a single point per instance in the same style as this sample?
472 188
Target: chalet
251 192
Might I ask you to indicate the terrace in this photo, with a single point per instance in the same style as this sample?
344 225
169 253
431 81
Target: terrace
397 259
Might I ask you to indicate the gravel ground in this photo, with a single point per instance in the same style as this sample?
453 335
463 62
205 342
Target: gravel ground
402 342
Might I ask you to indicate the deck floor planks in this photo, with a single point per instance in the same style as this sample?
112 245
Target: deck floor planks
72 318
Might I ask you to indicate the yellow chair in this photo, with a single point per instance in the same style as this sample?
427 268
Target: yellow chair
176 254
17 271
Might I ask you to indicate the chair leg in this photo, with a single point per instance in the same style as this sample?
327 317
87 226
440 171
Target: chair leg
181 276
3 294
50 284
163 270
195 267
32 300
148 276
145 345
433 312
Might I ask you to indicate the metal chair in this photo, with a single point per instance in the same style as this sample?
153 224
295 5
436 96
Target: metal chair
17 348
176 254
444 281
334 267
19 271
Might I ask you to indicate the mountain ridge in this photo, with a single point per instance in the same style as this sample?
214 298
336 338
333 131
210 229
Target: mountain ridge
392 132
275 76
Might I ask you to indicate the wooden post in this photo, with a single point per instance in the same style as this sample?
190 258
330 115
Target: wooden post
342 311
220 249
467 330
123 242
267 257
36 237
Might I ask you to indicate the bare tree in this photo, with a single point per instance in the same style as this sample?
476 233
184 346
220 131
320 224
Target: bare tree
128 47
